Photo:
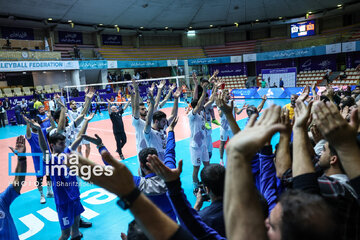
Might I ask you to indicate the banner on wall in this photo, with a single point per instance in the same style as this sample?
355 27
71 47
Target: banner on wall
292 53
108 39
318 63
93 64
70 37
250 57
348 47
270 92
245 93
17 33
205 61
272 76
142 64
230 69
111 64
38 66
281 63
333 48
235 59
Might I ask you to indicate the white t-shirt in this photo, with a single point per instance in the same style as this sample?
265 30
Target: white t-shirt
224 124
51 105
157 139
139 126
197 128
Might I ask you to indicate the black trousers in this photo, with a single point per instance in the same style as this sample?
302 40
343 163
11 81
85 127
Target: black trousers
120 138
2 119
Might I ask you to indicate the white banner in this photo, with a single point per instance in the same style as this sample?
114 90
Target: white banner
349 47
333 48
112 64
250 57
235 59
172 63
21 66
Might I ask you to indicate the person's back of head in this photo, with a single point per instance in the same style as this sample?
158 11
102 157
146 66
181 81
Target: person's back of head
213 177
144 153
57 115
305 216
158 116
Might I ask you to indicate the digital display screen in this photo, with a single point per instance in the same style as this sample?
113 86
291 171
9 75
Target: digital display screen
303 29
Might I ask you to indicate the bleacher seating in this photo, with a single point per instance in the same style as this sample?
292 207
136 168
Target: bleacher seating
231 49
55 88
27 91
18 92
67 50
150 53
309 77
234 82
352 78
47 89
8 92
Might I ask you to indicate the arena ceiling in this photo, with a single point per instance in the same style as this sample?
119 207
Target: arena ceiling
161 14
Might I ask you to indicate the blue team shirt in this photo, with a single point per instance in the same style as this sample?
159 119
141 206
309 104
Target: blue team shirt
7 225
65 186
45 124
35 148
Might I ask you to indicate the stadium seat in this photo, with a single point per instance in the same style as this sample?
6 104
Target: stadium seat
47 89
18 92
27 91
56 88
39 88
8 92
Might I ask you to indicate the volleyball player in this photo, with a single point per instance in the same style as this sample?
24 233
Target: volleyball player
198 143
156 124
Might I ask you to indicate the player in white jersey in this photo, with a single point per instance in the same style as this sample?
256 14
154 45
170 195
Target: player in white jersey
156 124
225 130
198 144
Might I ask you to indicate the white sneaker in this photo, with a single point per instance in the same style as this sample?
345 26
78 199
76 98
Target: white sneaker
50 195
42 199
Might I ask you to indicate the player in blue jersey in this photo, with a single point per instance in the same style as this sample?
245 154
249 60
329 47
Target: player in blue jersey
33 139
7 226
65 185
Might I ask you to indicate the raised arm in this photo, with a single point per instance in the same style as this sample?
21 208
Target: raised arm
200 105
227 110
283 157
62 118
52 122
135 101
168 95
212 98
159 90
175 108
243 214
127 104
88 98
109 106
302 163
82 131
149 116
28 127
20 147
196 86
261 105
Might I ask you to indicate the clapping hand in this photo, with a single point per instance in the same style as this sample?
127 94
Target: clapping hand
20 146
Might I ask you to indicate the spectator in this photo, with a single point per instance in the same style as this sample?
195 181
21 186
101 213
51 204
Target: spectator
37 104
6 104
281 83
213 179
2 116
18 111
52 106
263 83
42 118
23 106
290 106
274 85
32 110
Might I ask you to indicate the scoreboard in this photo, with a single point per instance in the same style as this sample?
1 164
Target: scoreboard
303 29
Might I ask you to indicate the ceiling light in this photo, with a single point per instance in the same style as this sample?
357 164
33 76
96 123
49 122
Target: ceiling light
309 12
256 20
69 21
211 25
339 5
236 24
63 71
44 71
100 24
191 33
50 19
190 27
280 18
24 73
166 27
141 27
115 25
